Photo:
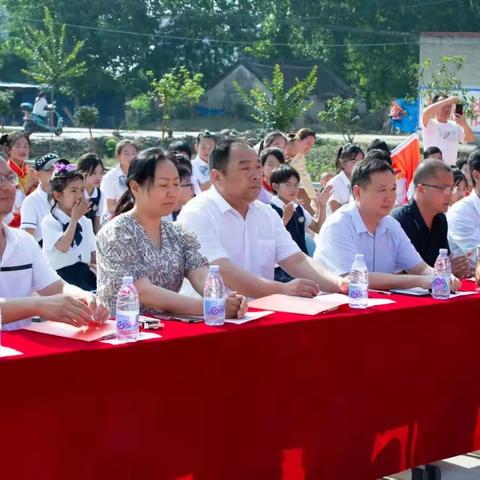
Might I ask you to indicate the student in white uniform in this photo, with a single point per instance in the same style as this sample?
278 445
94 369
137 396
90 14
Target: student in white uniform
200 167
91 167
114 183
24 270
68 238
38 204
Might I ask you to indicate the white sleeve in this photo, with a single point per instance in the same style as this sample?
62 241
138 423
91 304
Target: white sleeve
43 274
89 234
308 218
29 215
206 230
108 187
463 230
285 246
52 231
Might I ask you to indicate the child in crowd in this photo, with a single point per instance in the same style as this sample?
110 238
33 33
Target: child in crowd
200 167
17 150
180 147
186 188
91 167
285 182
461 186
325 177
274 139
68 238
38 204
270 158
114 183
347 157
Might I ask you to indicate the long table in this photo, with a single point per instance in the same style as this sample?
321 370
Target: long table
343 395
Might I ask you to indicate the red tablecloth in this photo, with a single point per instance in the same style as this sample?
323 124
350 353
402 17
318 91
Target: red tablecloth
345 395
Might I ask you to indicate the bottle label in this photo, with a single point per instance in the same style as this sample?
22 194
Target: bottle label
357 291
214 307
441 284
127 320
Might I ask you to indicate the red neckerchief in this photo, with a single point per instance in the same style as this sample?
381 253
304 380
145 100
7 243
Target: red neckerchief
21 172
267 187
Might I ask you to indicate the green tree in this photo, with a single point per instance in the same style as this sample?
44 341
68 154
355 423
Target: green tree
48 61
6 97
274 106
138 110
86 117
177 87
340 115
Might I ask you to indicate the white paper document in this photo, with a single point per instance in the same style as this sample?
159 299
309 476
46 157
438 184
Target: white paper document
8 352
249 316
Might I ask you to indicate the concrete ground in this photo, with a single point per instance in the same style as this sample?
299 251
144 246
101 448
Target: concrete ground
462 467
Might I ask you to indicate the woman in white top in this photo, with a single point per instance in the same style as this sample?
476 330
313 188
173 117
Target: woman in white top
114 183
68 238
347 157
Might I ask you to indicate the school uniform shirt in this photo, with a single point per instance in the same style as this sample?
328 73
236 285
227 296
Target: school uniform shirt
53 229
254 243
341 190
23 269
464 225
34 209
97 204
114 183
297 225
200 173
344 234
444 135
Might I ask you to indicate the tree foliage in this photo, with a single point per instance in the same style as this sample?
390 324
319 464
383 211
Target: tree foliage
177 87
6 98
340 116
273 105
86 116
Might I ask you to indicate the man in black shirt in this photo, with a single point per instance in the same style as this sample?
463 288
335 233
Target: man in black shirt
424 220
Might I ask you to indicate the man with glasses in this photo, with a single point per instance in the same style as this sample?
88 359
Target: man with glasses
365 226
424 220
24 270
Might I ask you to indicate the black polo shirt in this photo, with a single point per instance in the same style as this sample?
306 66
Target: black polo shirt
426 242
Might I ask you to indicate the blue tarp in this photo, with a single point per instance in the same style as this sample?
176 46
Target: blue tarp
408 123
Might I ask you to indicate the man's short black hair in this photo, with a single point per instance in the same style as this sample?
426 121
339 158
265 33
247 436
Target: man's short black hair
379 154
180 146
220 154
474 162
365 168
283 174
458 176
378 144
438 97
429 169
432 151
461 162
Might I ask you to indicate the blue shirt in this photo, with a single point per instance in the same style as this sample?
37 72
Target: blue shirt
344 234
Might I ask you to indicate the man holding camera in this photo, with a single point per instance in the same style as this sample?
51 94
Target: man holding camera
440 130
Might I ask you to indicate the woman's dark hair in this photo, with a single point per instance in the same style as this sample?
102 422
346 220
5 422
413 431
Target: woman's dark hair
183 171
304 133
269 138
141 170
88 162
365 168
62 178
205 134
379 154
181 161
474 163
345 153
461 162
41 93
458 176
431 151
283 174
276 152
179 146
8 140
378 144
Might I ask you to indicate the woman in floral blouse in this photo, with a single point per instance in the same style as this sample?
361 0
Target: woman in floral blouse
156 252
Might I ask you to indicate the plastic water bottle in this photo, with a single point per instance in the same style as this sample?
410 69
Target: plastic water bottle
214 298
128 311
358 286
442 276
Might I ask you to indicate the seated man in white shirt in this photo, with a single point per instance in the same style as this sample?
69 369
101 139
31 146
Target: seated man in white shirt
439 130
464 216
245 237
24 270
364 226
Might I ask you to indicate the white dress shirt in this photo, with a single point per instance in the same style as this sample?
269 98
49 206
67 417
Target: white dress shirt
254 243
464 225
113 184
52 232
23 269
200 174
341 190
344 234
35 208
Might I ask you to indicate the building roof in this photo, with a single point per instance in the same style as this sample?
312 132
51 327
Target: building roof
328 84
